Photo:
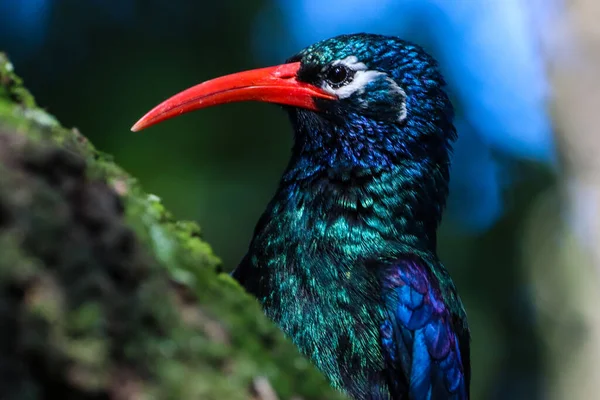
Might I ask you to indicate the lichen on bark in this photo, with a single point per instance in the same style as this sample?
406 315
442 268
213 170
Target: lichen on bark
103 295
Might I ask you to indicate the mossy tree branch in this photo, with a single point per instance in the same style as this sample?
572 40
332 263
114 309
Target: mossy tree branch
104 296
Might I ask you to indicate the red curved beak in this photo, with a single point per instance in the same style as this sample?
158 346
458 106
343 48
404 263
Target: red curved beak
276 84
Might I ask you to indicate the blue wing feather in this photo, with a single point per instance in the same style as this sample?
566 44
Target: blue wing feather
423 338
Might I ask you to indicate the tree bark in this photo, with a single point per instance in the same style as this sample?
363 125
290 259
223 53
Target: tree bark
104 296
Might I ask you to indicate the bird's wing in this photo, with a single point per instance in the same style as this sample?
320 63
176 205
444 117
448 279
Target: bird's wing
425 342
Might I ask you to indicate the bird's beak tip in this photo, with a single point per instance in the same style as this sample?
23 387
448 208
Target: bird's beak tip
137 127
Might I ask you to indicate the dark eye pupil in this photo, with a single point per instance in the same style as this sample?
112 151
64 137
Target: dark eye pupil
337 74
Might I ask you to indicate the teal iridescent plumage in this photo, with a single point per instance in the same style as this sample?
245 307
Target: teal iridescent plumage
344 257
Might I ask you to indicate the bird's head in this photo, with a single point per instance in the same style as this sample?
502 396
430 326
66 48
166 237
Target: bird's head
354 100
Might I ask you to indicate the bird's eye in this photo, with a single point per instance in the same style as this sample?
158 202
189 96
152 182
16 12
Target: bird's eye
338 75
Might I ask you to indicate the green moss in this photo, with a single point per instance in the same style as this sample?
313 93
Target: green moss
11 86
103 291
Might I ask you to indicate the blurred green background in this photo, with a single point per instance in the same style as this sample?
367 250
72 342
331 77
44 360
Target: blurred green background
100 65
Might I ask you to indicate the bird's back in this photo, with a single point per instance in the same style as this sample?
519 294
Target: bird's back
380 318
390 336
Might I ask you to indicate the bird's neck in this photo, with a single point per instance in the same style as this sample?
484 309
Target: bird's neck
354 191
348 195
383 206
386 179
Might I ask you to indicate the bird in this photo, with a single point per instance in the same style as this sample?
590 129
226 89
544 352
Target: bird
344 257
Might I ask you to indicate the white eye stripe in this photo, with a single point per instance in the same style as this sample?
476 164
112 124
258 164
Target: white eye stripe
359 82
362 77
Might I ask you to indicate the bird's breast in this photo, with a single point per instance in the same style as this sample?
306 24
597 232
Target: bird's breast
332 313
308 266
